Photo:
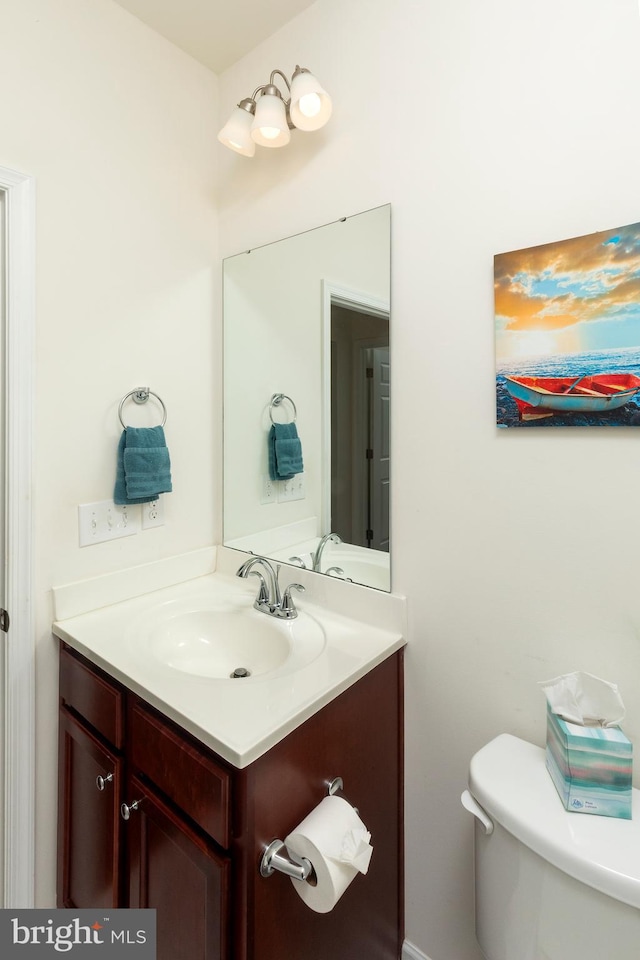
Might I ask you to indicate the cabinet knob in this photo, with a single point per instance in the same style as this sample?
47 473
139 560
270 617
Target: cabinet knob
101 782
127 809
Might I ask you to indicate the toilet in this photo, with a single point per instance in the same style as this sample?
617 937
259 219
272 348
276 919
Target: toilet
550 884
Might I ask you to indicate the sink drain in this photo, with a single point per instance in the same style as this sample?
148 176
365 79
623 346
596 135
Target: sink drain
240 672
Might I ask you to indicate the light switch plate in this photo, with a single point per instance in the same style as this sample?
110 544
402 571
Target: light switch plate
292 489
106 520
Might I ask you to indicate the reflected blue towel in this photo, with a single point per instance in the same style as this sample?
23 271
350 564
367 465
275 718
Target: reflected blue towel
143 470
285 451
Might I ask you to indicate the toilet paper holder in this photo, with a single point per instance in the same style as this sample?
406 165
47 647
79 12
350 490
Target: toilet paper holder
275 860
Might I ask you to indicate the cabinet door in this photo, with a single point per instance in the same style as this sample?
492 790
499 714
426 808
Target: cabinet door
176 870
89 853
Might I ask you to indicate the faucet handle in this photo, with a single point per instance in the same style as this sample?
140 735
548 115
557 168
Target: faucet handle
287 607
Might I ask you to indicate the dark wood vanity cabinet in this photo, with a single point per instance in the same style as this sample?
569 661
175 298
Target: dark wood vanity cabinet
196 826
139 824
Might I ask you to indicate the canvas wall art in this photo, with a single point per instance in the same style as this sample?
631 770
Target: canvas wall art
567 326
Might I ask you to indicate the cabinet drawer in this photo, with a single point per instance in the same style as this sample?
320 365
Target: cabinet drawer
182 770
93 696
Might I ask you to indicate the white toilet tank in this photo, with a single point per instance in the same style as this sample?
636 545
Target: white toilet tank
550 885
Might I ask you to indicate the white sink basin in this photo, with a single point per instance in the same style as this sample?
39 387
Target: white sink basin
226 641
165 644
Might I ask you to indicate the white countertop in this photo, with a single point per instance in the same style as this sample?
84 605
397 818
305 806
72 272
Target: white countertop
239 719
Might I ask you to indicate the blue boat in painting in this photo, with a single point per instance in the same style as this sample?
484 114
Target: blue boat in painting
589 393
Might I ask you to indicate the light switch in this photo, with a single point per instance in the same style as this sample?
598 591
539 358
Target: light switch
106 520
292 489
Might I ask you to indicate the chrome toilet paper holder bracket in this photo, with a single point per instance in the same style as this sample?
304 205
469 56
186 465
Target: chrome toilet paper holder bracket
334 785
276 857
273 859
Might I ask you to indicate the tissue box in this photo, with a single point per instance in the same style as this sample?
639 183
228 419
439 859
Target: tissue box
590 767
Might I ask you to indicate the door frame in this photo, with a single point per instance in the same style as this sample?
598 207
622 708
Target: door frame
18 645
351 299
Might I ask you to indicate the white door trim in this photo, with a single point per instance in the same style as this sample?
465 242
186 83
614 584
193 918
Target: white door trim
19 644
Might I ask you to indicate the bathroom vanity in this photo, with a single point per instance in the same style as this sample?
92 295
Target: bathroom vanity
151 815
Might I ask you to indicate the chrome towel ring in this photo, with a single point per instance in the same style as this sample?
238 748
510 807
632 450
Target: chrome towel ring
141 395
276 400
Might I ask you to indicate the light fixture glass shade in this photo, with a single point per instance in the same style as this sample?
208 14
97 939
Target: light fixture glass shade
310 103
236 133
270 127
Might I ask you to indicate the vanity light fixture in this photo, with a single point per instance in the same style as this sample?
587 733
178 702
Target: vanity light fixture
267 118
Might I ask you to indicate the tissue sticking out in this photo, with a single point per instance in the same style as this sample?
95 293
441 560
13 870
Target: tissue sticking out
584 699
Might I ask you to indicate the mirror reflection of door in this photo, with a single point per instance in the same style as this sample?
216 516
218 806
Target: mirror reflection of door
360 453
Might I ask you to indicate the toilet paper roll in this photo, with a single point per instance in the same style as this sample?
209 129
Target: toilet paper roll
335 840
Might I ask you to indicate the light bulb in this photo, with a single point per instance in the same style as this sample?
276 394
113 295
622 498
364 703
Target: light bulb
269 127
310 104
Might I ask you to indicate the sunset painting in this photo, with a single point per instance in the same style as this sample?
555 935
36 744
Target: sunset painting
567 326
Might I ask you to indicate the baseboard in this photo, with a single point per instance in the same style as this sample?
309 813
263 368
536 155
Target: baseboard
409 952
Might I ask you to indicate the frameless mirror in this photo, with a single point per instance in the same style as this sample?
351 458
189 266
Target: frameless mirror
306 342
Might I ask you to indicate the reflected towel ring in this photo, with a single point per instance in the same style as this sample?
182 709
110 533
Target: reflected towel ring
141 395
276 400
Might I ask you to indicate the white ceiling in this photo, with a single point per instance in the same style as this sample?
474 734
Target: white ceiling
216 33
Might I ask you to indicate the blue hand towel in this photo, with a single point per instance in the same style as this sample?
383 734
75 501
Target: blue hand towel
285 451
143 468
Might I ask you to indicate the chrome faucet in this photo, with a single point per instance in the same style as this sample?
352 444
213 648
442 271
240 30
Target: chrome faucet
269 599
317 556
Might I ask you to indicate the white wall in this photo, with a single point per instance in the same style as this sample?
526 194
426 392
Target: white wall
116 126
489 127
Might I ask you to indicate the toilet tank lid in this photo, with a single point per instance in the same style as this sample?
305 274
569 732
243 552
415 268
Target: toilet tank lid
509 779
